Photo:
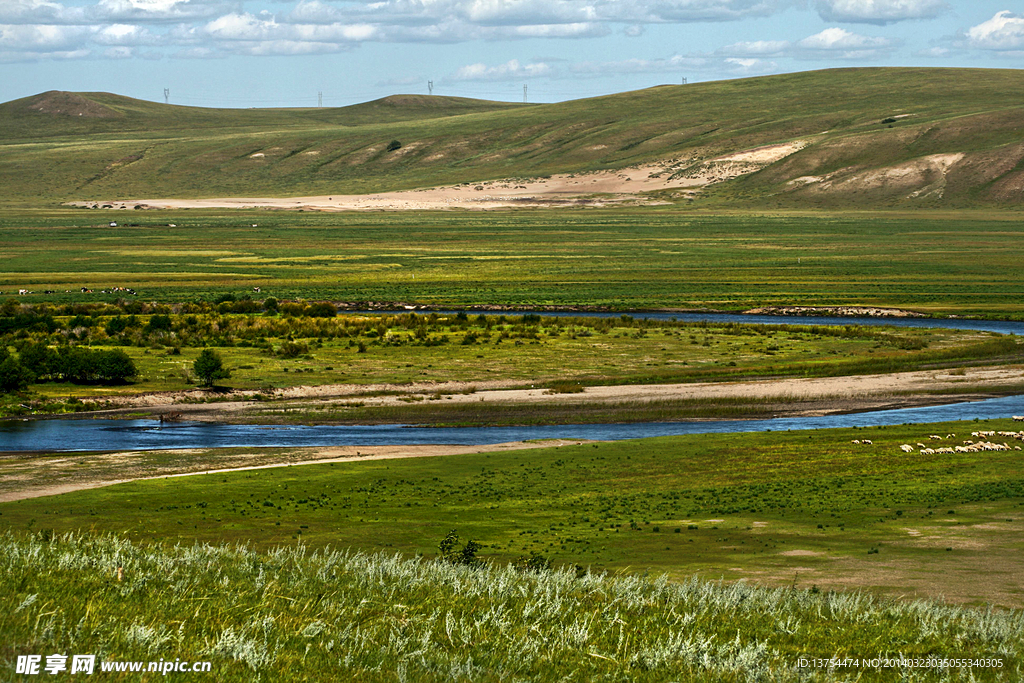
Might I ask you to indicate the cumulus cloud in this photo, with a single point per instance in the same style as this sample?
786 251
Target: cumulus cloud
158 10
264 35
125 35
39 12
43 38
879 11
510 70
209 28
838 43
1003 32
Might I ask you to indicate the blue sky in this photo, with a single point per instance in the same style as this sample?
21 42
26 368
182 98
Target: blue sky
262 53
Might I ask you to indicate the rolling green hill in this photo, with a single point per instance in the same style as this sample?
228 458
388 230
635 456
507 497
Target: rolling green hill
868 137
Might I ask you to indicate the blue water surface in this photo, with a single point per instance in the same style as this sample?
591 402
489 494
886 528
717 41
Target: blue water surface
102 435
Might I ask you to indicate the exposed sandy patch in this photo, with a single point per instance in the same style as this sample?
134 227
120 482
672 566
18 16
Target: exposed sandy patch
722 168
567 189
833 394
919 177
765 155
799 553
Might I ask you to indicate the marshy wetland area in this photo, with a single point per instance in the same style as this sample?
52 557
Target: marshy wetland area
720 556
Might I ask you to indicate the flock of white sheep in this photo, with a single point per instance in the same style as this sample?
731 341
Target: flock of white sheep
970 445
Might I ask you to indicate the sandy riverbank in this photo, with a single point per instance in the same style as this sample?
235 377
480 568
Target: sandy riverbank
815 396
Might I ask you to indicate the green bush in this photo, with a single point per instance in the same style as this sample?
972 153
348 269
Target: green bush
13 377
209 367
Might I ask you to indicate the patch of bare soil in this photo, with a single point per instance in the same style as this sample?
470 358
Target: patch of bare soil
57 102
600 188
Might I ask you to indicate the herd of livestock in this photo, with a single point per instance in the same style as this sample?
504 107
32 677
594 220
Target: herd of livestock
970 445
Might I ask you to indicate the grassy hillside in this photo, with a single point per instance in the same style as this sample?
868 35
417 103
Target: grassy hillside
948 137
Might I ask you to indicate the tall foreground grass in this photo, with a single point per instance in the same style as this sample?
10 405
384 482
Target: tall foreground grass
291 615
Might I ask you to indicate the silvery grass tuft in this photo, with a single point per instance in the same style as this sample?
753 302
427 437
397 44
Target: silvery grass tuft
289 613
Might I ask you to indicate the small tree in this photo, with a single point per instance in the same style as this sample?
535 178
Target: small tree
13 377
209 367
453 554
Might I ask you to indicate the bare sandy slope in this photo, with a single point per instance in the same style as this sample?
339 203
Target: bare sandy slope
866 388
31 476
570 189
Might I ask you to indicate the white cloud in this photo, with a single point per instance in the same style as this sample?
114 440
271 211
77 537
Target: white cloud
39 12
750 67
125 35
252 35
1004 31
674 11
575 30
511 70
158 10
838 43
879 11
755 48
42 38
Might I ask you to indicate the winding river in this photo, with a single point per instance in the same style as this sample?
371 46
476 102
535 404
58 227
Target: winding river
101 435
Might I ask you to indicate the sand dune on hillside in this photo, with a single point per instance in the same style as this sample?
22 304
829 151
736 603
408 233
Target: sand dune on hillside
599 188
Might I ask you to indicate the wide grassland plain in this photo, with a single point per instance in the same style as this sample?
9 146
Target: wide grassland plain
935 262
807 505
844 536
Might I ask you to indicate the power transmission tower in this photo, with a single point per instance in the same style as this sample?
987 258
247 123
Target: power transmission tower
319 99
684 80
167 95
430 87
524 93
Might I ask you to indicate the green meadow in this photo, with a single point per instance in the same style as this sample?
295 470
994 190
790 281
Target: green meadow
813 507
656 257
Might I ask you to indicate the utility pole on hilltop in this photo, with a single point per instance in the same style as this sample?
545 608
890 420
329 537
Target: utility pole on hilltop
524 93
430 87
167 95
319 99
